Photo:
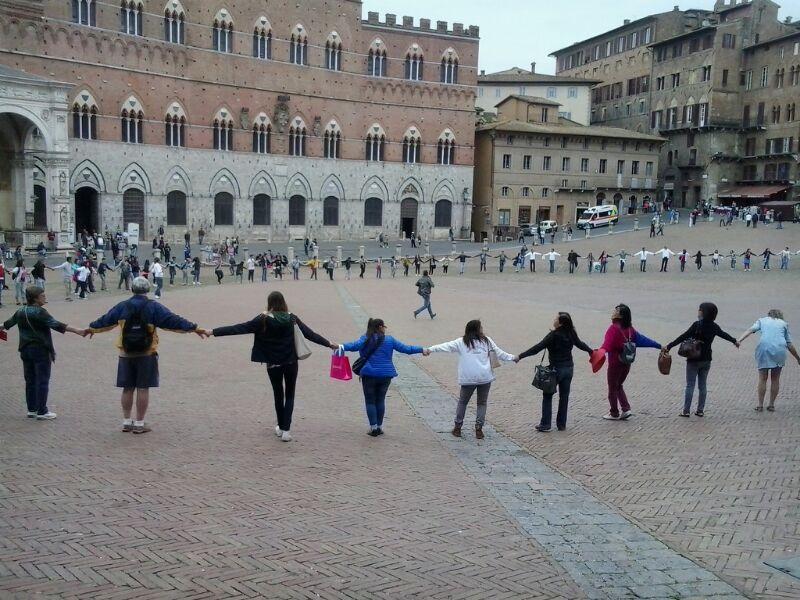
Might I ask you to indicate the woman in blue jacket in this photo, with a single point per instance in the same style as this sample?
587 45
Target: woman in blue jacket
378 372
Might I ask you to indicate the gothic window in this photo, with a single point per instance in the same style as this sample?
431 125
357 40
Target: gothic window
446 148
84 117
223 130
375 143
174 23
448 70
262 135
414 63
130 14
132 122
175 126
412 146
298 46
222 32
262 39
297 138
332 141
84 12
376 59
333 52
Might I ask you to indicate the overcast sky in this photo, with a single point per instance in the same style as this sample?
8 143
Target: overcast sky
518 32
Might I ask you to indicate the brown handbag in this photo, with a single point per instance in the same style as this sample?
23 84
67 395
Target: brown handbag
664 362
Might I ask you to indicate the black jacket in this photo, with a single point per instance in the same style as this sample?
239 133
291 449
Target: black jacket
273 341
559 344
705 331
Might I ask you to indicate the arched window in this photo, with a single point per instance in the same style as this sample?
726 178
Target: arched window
414 63
175 23
84 117
443 214
130 15
262 39
298 46
262 134
376 59
373 212
412 146
333 52
261 209
297 138
223 209
375 143
175 126
505 191
222 32
223 130
297 210
330 211
84 12
446 148
176 208
448 70
332 141
132 118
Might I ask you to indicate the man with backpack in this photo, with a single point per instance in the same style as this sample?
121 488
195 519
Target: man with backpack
137 370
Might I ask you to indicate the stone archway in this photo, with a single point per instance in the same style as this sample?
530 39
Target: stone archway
409 208
87 210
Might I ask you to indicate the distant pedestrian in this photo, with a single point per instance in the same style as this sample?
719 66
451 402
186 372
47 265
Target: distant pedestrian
643 254
551 257
475 371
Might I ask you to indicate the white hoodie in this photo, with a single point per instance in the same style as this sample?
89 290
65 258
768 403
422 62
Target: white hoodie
474 367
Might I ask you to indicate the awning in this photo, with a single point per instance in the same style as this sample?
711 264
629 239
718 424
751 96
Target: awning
774 203
752 191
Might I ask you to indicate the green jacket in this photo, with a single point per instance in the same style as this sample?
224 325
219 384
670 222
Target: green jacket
34 324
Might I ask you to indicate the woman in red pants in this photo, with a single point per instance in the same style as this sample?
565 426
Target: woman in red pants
620 344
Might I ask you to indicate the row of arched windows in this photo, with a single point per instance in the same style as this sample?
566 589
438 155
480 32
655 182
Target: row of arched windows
84 12
262 210
84 126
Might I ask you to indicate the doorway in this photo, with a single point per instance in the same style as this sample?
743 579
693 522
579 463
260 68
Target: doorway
40 208
86 210
408 217
133 210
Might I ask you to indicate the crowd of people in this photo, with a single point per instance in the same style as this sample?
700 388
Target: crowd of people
279 343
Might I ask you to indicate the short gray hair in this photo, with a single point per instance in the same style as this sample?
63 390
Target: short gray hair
775 314
140 285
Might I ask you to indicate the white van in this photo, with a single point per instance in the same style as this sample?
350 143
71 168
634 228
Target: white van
598 216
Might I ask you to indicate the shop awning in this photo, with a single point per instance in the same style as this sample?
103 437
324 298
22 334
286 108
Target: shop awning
752 192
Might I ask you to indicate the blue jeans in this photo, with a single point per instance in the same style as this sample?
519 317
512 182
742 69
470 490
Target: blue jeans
564 381
36 366
696 370
375 389
159 281
426 304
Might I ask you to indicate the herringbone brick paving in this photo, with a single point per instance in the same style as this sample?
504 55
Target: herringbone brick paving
210 504
721 490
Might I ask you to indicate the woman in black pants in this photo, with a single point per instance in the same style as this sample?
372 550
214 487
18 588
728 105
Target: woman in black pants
273 344
559 343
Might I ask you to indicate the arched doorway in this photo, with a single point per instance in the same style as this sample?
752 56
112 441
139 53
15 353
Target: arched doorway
600 199
297 211
330 211
223 209
443 214
86 210
408 216
39 208
632 205
133 210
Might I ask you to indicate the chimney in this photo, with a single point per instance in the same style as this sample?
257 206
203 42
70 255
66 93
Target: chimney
626 22
533 67
788 20
483 71
676 8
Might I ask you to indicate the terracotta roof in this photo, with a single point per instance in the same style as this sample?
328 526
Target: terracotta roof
565 127
518 75
529 100
752 191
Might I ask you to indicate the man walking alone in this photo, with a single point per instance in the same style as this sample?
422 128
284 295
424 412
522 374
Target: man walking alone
424 287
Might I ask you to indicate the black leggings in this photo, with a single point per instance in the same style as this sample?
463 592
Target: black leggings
283 379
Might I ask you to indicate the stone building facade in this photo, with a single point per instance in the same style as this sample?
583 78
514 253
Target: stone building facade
532 165
573 94
722 92
268 121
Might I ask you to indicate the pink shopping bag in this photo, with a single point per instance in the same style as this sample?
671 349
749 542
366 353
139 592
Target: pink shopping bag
340 368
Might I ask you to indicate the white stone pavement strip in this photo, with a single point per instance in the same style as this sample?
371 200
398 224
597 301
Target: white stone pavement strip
608 556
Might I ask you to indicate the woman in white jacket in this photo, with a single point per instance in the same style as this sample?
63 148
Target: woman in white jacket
474 371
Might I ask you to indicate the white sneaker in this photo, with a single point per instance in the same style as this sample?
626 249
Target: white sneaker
625 415
286 436
278 431
610 417
48 417
31 414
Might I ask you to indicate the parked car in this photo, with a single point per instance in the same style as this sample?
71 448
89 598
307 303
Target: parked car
548 226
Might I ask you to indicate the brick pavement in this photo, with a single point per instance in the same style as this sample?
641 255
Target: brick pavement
212 505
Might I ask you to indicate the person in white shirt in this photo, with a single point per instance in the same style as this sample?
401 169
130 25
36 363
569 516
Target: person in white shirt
157 271
551 256
715 260
643 254
665 254
785 254
531 258
83 276
475 371
67 269
251 269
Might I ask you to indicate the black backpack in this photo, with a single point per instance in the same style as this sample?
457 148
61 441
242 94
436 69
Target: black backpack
136 335
628 354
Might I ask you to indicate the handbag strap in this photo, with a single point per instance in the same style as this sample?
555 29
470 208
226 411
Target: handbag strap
378 342
541 362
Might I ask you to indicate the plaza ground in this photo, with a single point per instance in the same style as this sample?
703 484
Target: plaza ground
212 504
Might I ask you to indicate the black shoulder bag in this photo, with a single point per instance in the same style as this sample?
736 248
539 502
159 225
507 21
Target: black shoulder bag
361 361
544 377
